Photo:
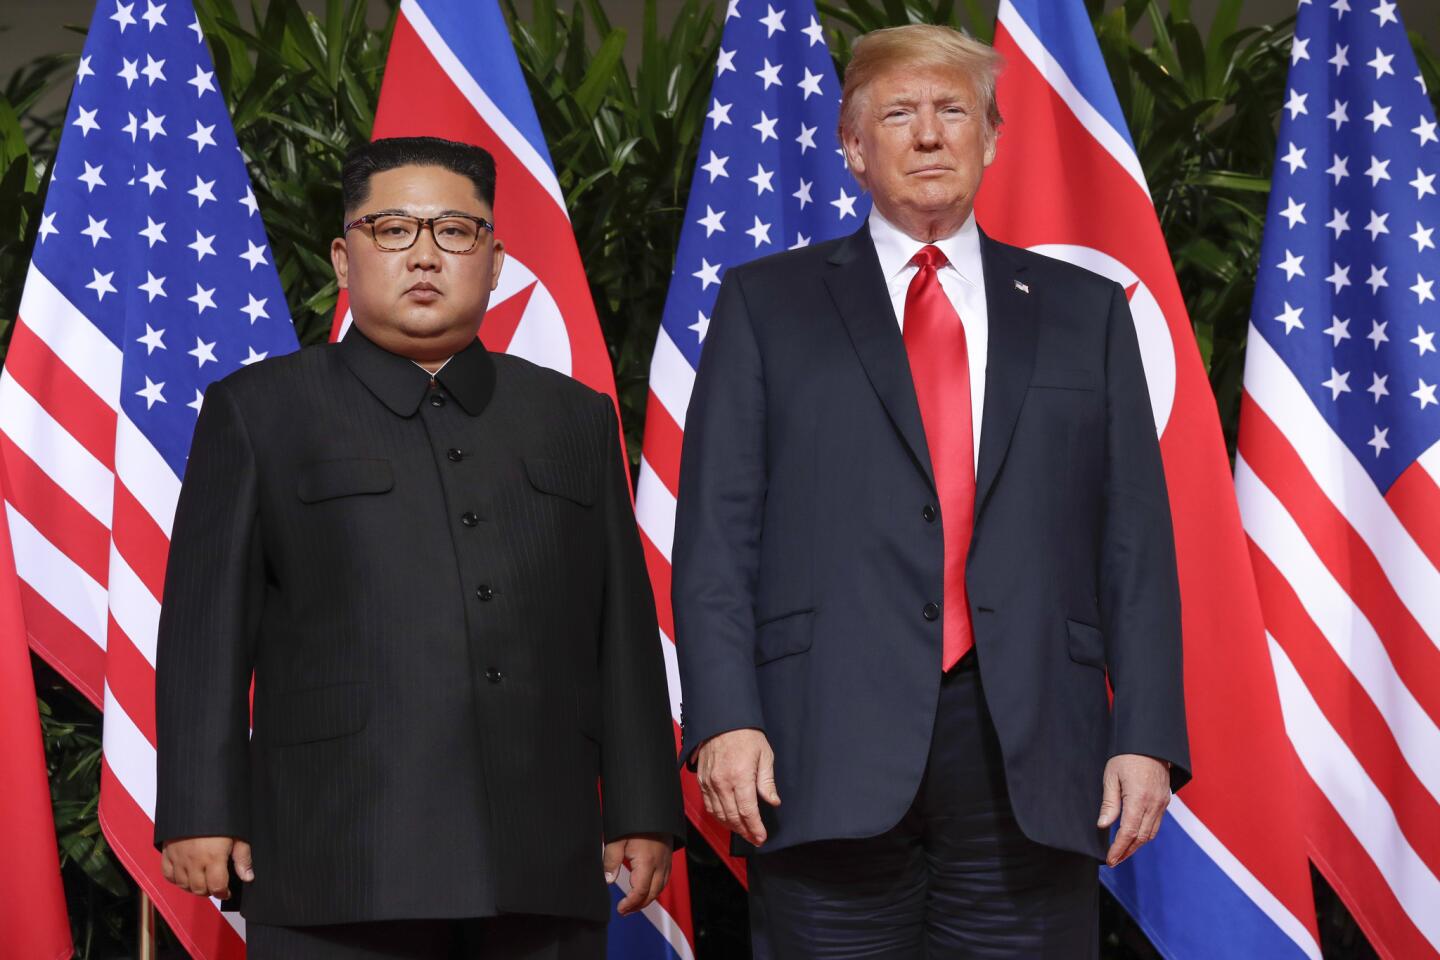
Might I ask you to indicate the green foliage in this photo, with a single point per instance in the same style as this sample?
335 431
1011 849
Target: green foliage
624 144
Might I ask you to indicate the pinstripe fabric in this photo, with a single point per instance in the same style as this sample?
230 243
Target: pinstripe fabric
443 599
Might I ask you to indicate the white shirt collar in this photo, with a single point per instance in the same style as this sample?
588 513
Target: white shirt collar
896 248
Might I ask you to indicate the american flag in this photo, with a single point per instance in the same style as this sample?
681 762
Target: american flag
1338 461
151 277
770 177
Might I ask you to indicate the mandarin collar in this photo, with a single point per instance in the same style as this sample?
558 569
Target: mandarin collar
400 384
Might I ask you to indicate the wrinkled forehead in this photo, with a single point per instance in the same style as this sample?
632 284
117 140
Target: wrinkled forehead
908 83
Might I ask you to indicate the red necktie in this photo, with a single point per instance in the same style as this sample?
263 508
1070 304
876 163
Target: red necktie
940 366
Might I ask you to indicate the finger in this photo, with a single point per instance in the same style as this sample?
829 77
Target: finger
747 804
195 881
167 868
765 781
660 878
640 873
708 795
729 812
614 856
217 878
1154 817
244 864
1131 816
1109 802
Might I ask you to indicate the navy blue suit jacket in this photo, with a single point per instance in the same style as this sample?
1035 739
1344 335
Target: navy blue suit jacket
803 559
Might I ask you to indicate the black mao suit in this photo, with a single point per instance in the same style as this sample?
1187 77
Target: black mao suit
441 593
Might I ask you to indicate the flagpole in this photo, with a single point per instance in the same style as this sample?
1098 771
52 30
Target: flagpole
146 936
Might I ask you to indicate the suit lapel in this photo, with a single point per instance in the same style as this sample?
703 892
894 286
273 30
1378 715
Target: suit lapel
1010 358
857 286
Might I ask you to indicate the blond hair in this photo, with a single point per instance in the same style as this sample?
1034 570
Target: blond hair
920 46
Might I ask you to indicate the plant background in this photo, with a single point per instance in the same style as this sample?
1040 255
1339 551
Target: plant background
623 120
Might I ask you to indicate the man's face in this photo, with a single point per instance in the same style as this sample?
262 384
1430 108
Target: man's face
423 303
920 144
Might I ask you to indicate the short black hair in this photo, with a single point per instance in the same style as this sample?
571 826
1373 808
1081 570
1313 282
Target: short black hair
377 156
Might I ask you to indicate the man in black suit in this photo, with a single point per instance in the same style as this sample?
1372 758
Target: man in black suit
922 518
426 556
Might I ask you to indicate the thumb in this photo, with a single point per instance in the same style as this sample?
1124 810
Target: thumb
1110 803
765 780
244 865
614 856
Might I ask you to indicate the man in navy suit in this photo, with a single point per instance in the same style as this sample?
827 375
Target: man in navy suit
922 520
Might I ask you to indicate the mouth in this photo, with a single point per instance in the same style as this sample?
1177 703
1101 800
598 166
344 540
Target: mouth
934 170
423 293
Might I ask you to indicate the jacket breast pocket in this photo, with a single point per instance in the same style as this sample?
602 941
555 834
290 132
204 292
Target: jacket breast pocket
328 479
1062 378
784 636
565 480
319 713
1086 644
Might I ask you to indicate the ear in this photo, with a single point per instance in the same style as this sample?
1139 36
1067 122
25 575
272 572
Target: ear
992 136
854 153
340 260
496 263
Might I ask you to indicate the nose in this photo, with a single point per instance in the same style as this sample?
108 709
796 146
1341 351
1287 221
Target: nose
927 128
424 253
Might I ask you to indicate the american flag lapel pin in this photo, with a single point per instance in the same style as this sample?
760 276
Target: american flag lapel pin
1022 287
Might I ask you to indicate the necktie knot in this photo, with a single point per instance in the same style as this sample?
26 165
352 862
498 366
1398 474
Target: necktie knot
930 256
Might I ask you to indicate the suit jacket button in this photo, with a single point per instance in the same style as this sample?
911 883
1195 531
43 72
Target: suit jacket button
437 399
485 593
931 612
455 455
928 513
493 675
469 518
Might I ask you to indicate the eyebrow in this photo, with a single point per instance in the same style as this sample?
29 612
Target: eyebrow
397 212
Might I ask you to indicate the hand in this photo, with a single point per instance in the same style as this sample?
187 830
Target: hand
649 857
1137 790
201 864
736 770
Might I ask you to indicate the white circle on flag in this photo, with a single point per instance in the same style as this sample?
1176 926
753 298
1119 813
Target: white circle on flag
1157 351
541 336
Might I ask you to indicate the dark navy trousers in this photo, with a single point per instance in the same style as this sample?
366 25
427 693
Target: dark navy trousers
955 878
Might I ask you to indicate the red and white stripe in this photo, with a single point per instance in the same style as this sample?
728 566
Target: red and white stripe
672 380
1349 578
90 505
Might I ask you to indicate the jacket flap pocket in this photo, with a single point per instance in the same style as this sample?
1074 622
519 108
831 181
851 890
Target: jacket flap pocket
328 479
562 480
784 635
320 713
1062 378
1087 644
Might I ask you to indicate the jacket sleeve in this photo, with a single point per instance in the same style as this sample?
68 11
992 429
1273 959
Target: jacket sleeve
718 518
639 782
1139 585
214 584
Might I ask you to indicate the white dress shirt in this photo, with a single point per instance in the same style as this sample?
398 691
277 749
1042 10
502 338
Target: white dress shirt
962 280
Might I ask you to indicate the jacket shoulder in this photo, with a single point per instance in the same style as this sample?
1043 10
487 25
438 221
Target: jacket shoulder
274 377
787 266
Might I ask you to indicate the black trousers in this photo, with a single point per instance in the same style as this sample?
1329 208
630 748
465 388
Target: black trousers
502 938
954 879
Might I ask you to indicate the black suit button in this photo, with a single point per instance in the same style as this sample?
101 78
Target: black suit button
485 593
437 399
455 455
469 519
493 675
931 612
928 513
